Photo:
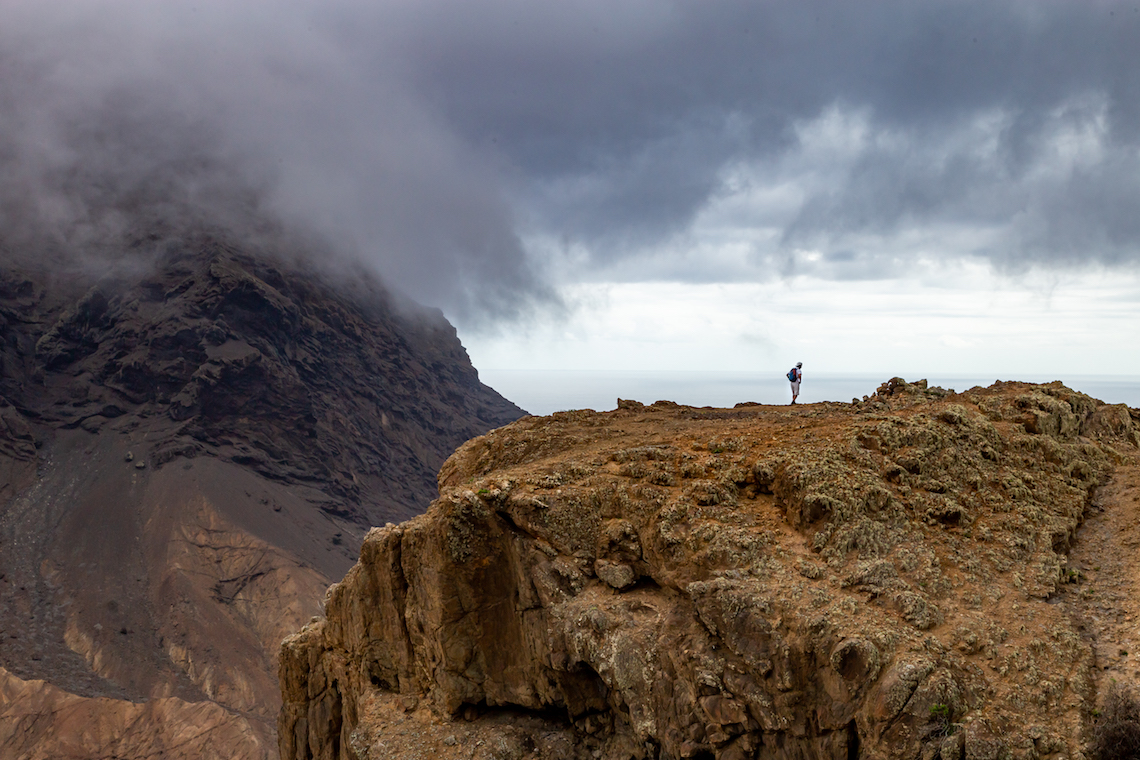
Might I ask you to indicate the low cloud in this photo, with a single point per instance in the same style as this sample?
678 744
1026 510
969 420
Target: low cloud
481 155
129 121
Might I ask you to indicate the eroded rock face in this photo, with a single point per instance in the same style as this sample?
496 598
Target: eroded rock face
191 448
826 581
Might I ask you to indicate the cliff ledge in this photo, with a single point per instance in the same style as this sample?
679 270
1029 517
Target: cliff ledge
901 577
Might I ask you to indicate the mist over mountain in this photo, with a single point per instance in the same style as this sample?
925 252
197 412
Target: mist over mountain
207 396
480 156
135 129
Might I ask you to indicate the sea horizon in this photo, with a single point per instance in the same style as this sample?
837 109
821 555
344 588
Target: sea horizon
543 392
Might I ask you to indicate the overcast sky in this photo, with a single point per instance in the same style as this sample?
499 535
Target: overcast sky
699 184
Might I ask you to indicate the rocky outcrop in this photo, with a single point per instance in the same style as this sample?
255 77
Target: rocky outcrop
192 446
885 579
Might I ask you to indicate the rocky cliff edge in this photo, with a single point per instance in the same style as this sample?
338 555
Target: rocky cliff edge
882 579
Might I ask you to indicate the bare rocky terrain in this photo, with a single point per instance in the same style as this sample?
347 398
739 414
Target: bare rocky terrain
922 574
192 446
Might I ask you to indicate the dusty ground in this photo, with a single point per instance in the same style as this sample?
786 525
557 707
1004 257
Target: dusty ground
122 587
1106 596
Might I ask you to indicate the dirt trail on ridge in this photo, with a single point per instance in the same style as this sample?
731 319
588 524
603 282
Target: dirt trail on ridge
1106 598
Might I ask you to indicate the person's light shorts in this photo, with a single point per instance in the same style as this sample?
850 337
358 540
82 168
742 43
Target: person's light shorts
796 388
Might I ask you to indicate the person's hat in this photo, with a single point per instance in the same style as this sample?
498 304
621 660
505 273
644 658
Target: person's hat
799 364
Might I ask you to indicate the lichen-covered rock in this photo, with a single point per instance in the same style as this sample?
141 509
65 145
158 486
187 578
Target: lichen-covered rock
668 582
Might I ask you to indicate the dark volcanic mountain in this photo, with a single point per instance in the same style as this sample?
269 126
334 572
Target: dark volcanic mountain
191 448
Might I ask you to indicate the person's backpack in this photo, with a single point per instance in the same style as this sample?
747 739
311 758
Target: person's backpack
792 374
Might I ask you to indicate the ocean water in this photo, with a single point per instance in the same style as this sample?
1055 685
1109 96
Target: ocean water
546 391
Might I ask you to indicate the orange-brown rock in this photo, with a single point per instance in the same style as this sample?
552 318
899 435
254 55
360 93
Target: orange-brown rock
40 722
887 579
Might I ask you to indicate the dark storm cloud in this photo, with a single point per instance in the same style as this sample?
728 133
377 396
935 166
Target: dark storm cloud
133 119
625 129
431 138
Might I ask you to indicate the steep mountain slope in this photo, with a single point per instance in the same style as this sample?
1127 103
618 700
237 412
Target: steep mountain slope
191 447
882 579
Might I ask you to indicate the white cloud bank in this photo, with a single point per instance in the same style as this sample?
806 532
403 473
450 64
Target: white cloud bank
962 320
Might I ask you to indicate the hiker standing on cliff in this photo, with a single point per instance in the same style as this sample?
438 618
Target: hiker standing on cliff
795 374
